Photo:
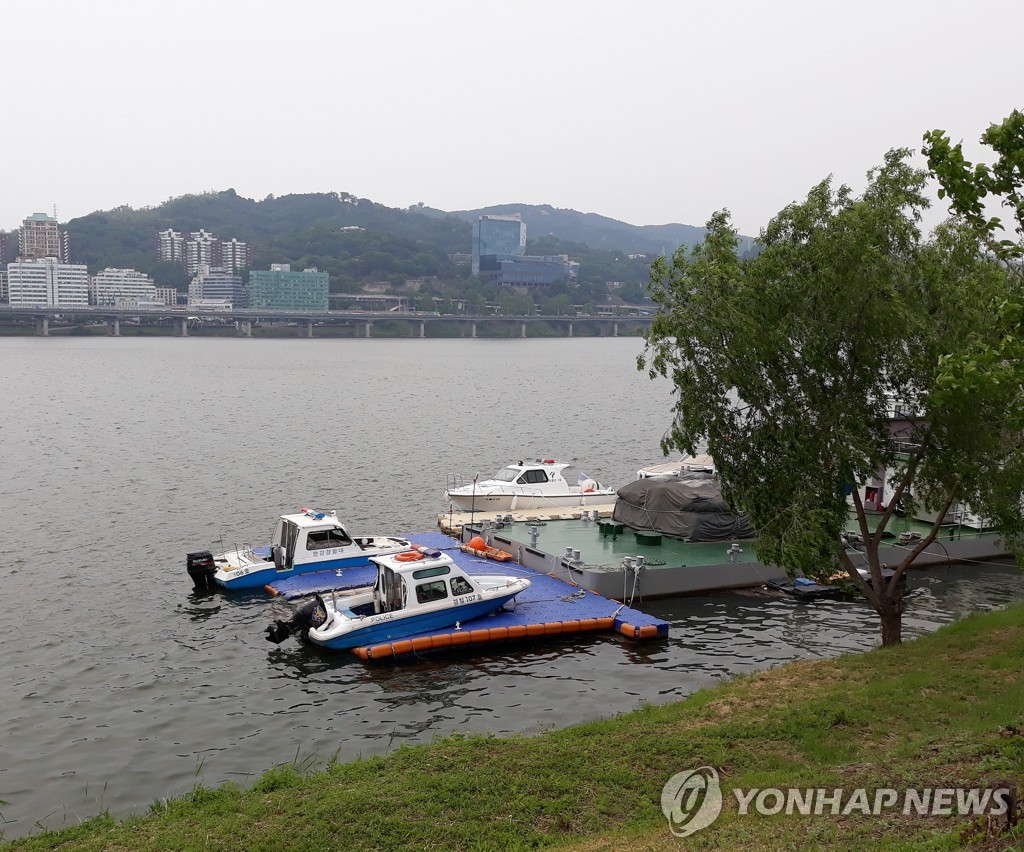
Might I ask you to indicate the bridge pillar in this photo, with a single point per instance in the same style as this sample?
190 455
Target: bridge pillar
522 329
473 325
244 328
615 329
368 324
183 327
306 329
43 326
113 327
423 329
570 328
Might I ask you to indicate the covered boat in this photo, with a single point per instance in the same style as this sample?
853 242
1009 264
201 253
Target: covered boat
416 591
688 507
526 485
310 540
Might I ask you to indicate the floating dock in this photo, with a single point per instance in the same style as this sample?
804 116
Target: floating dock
453 521
549 607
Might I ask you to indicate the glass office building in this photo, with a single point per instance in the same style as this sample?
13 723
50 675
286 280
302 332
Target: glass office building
501 236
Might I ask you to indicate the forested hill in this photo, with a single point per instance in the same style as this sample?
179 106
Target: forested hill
357 240
592 229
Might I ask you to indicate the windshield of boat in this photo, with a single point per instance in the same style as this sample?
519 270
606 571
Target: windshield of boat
334 537
507 474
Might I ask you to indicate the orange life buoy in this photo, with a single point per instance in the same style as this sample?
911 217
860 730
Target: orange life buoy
409 556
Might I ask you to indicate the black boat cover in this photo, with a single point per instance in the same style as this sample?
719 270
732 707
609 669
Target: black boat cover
688 507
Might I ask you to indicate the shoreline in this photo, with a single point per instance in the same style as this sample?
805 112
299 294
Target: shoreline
941 711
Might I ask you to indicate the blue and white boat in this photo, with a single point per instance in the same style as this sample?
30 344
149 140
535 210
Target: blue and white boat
416 591
310 540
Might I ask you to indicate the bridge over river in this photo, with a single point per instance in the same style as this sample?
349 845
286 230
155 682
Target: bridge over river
179 321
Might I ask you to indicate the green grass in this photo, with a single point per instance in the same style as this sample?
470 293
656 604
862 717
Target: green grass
946 710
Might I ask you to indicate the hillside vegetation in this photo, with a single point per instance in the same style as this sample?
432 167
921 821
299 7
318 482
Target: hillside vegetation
359 242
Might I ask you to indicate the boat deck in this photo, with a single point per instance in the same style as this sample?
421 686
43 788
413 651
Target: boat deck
549 607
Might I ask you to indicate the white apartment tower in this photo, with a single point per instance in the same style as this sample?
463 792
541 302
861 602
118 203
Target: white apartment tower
171 246
199 250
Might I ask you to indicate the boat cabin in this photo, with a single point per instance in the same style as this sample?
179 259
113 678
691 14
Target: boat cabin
308 535
414 578
538 473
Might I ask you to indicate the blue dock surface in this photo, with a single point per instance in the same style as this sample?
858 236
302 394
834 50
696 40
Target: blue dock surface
549 607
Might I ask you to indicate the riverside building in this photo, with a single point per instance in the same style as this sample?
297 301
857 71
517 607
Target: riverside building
127 288
499 237
217 284
280 289
47 282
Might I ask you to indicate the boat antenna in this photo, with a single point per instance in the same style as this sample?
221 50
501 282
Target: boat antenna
472 501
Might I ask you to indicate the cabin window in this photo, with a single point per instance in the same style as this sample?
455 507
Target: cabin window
507 474
460 586
533 477
436 571
435 591
327 538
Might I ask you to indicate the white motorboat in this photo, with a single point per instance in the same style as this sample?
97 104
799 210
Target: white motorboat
526 485
310 540
416 591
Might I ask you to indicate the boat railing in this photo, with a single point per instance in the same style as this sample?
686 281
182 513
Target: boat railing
455 480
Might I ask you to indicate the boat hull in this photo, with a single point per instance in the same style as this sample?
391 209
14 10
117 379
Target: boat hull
259 574
504 502
389 626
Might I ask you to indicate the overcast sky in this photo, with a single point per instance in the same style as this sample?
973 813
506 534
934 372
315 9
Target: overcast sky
647 111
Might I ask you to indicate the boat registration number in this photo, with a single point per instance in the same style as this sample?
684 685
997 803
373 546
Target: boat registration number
467 599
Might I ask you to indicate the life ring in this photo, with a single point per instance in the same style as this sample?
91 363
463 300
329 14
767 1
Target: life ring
409 556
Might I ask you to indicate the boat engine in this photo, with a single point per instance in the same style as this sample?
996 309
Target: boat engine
201 569
309 615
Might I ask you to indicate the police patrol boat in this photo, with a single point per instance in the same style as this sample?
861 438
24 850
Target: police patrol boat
310 540
416 591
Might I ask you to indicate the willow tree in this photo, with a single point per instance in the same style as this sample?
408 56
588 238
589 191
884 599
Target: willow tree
787 365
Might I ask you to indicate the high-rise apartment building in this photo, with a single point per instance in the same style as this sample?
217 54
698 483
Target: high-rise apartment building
498 236
40 236
199 250
203 248
234 255
47 282
170 246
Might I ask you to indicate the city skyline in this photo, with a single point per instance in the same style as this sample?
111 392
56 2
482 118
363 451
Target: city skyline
650 113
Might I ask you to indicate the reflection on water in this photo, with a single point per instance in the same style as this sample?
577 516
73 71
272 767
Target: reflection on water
121 685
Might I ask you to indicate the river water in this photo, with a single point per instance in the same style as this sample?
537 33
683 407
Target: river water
119 685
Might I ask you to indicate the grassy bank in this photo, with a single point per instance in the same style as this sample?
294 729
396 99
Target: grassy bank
946 710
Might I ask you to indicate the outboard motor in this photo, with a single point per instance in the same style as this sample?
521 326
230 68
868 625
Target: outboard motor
201 569
309 615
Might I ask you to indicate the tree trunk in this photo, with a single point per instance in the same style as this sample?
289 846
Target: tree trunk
891 614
